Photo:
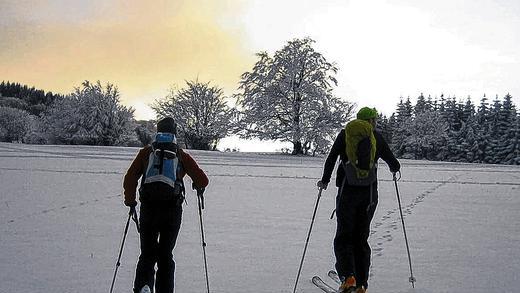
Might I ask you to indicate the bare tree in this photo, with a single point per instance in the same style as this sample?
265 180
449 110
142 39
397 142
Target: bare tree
201 114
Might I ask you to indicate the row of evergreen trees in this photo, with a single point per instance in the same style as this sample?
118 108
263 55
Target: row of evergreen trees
455 130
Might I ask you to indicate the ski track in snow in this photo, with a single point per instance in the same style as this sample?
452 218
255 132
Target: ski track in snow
390 223
236 160
442 182
61 208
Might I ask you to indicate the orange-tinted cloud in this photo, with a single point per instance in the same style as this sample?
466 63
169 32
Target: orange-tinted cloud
143 48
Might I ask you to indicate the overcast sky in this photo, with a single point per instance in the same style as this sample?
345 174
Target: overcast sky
384 49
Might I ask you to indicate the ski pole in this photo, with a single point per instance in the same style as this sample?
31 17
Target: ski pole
200 197
131 214
411 279
307 241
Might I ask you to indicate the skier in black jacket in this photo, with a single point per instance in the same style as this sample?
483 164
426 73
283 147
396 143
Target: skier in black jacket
355 207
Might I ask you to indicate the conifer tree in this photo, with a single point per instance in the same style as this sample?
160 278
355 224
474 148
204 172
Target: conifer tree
383 125
401 131
421 105
470 144
468 110
506 120
513 151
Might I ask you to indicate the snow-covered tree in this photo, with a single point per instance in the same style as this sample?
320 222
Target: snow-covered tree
325 121
14 124
421 105
11 102
145 130
90 115
201 114
431 104
400 122
384 127
425 133
506 132
471 143
483 110
489 135
513 142
32 100
440 105
451 114
288 97
468 110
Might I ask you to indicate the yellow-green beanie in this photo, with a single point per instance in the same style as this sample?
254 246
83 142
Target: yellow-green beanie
366 113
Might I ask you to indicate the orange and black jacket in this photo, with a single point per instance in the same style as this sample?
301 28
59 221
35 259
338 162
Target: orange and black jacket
140 163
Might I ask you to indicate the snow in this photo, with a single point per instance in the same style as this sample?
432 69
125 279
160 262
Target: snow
62 220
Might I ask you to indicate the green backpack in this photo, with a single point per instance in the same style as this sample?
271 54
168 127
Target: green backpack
361 152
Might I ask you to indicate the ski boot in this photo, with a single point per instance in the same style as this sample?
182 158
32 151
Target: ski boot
348 285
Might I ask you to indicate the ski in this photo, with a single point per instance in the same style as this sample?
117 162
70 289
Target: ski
334 276
322 285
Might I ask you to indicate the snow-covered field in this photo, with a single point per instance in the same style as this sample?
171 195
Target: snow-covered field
62 220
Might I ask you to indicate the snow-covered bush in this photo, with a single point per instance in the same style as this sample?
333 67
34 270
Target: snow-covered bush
14 124
91 115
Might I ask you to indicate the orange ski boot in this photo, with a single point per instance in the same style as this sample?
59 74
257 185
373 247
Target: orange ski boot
348 285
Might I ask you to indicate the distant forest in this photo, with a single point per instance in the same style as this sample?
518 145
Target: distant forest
34 101
448 129
440 128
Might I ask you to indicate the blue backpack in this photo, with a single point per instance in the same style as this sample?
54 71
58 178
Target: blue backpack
161 181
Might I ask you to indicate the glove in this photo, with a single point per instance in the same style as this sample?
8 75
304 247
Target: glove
395 168
200 190
396 175
131 204
322 185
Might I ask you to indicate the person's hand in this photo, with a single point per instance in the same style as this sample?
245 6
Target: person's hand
200 190
132 206
396 175
322 185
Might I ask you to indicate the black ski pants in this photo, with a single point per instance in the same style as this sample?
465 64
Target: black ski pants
160 222
354 211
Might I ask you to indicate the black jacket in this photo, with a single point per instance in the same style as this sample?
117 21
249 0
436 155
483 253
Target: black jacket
339 149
